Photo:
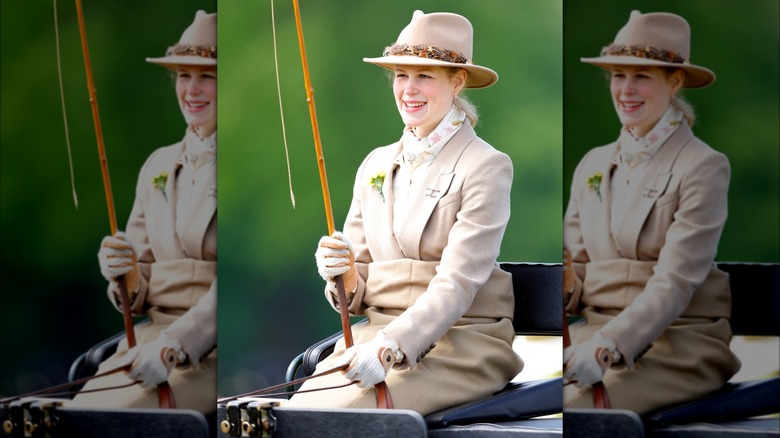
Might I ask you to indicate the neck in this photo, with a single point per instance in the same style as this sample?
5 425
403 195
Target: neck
420 132
205 131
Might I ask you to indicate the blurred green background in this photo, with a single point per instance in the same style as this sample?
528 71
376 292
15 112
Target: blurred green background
53 303
737 115
271 304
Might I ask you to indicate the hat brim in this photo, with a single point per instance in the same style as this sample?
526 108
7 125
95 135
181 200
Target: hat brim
173 61
479 77
695 76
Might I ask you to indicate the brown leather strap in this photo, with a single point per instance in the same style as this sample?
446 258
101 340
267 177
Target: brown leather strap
383 399
600 396
267 390
57 389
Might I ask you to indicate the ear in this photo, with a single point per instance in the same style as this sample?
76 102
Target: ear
676 80
459 80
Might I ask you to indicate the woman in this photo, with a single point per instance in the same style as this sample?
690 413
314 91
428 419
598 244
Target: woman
419 247
168 253
642 227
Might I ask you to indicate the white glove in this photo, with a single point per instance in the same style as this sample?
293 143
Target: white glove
117 256
586 363
369 363
153 362
335 256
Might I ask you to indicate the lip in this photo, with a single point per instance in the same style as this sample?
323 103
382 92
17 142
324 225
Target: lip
630 106
413 106
195 106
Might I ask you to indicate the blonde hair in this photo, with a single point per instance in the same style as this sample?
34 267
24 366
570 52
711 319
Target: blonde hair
678 101
682 105
463 103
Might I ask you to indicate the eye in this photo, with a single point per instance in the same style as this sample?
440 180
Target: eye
183 74
425 76
616 74
399 75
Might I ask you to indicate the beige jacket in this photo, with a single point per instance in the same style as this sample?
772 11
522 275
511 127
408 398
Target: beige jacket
660 265
448 248
179 273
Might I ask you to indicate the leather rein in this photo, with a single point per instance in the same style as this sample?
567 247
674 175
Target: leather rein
64 389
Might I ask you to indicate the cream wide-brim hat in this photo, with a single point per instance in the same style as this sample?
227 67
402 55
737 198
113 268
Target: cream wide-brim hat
197 45
655 39
437 39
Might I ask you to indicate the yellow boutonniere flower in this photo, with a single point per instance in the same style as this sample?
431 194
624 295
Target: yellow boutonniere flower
376 182
594 182
159 182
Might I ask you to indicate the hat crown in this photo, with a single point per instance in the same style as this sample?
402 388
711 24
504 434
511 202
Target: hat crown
660 30
202 31
442 30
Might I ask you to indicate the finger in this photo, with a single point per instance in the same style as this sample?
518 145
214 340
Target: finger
333 272
330 242
332 252
335 262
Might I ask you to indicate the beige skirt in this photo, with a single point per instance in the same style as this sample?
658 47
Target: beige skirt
692 358
194 389
472 360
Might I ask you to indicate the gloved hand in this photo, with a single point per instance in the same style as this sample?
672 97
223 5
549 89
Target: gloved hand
335 256
153 362
586 363
117 256
369 363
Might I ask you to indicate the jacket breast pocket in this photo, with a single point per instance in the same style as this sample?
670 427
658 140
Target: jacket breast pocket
443 216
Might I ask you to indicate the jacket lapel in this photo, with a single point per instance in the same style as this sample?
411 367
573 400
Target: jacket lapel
424 194
650 188
202 210
160 211
596 212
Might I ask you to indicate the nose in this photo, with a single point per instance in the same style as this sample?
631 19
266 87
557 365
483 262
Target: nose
628 87
194 86
411 87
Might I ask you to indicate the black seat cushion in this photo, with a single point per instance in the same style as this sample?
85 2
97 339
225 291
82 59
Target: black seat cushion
519 400
735 401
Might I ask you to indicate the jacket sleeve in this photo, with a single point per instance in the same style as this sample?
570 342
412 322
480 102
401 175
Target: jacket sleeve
196 329
573 240
136 232
353 229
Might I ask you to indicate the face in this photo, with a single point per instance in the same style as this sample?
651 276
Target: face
196 89
642 95
424 95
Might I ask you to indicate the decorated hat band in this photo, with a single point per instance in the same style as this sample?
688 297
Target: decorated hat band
202 50
639 51
424 51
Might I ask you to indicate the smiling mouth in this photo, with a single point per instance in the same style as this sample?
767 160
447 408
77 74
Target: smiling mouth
197 105
414 105
631 105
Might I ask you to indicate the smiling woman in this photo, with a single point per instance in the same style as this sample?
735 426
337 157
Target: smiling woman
643 224
167 255
423 240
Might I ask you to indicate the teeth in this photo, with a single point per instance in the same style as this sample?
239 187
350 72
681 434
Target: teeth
414 105
197 105
631 105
